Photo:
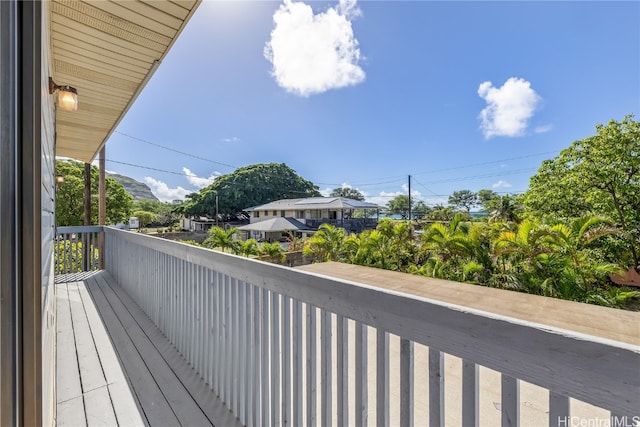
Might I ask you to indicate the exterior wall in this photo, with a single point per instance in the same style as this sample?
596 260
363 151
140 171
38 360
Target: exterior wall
26 211
48 229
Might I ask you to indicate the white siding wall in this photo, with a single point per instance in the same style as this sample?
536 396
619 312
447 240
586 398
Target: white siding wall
48 230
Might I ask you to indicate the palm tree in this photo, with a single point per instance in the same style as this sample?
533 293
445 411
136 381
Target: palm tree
220 238
326 243
248 247
571 238
449 241
273 252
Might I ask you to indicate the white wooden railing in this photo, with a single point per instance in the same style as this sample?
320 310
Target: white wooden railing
77 249
285 347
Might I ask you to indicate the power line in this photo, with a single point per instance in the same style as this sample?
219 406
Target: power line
391 179
176 151
487 163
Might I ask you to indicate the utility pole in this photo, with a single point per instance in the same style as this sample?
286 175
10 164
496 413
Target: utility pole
409 197
216 210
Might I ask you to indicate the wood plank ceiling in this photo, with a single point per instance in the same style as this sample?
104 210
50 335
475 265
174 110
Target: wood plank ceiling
107 50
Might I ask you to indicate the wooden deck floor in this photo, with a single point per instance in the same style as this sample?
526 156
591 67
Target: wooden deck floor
115 368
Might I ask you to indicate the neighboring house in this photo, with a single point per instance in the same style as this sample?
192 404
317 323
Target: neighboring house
201 223
314 211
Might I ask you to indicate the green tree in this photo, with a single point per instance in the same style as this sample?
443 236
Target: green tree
347 192
326 244
144 217
463 199
420 210
485 197
504 208
248 186
164 214
597 175
70 196
248 247
222 239
399 205
273 252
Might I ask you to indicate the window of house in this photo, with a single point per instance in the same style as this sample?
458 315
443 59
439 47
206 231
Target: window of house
256 214
282 213
275 213
299 214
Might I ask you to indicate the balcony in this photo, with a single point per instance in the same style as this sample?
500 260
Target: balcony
171 334
355 225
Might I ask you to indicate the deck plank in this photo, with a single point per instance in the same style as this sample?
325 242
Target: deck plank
98 408
192 381
181 402
67 372
71 413
91 375
124 401
155 407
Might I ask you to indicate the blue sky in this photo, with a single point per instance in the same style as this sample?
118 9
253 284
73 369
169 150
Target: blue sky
460 95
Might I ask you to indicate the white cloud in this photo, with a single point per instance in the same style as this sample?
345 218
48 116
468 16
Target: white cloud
313 53
509 107
543 128
233 139
197 181
501 184
163 192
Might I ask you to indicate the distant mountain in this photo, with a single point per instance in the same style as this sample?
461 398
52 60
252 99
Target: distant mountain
137 189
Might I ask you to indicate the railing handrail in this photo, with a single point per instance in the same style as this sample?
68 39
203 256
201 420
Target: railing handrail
67 229
550 357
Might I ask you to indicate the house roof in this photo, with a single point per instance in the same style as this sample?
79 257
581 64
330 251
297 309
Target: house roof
107 50
314 203
276 224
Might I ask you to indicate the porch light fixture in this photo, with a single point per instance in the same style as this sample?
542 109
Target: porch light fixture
67 95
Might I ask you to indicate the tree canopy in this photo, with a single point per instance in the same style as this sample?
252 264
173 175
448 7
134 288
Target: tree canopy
463 199
347 192
246 187
399 205
597 175
70 196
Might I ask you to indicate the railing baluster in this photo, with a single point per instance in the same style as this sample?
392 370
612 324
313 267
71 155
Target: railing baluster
325 370
470 395
248 349
297 364
256 356
275 359
265 379
436 387
510 402
559 409
311 366
406 383
210 349
382 378
242 352
235 352
200 340
286 360
219 293
226 371
342 378
362 381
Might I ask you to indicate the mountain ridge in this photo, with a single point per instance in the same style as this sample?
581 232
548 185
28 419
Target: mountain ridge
138 190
